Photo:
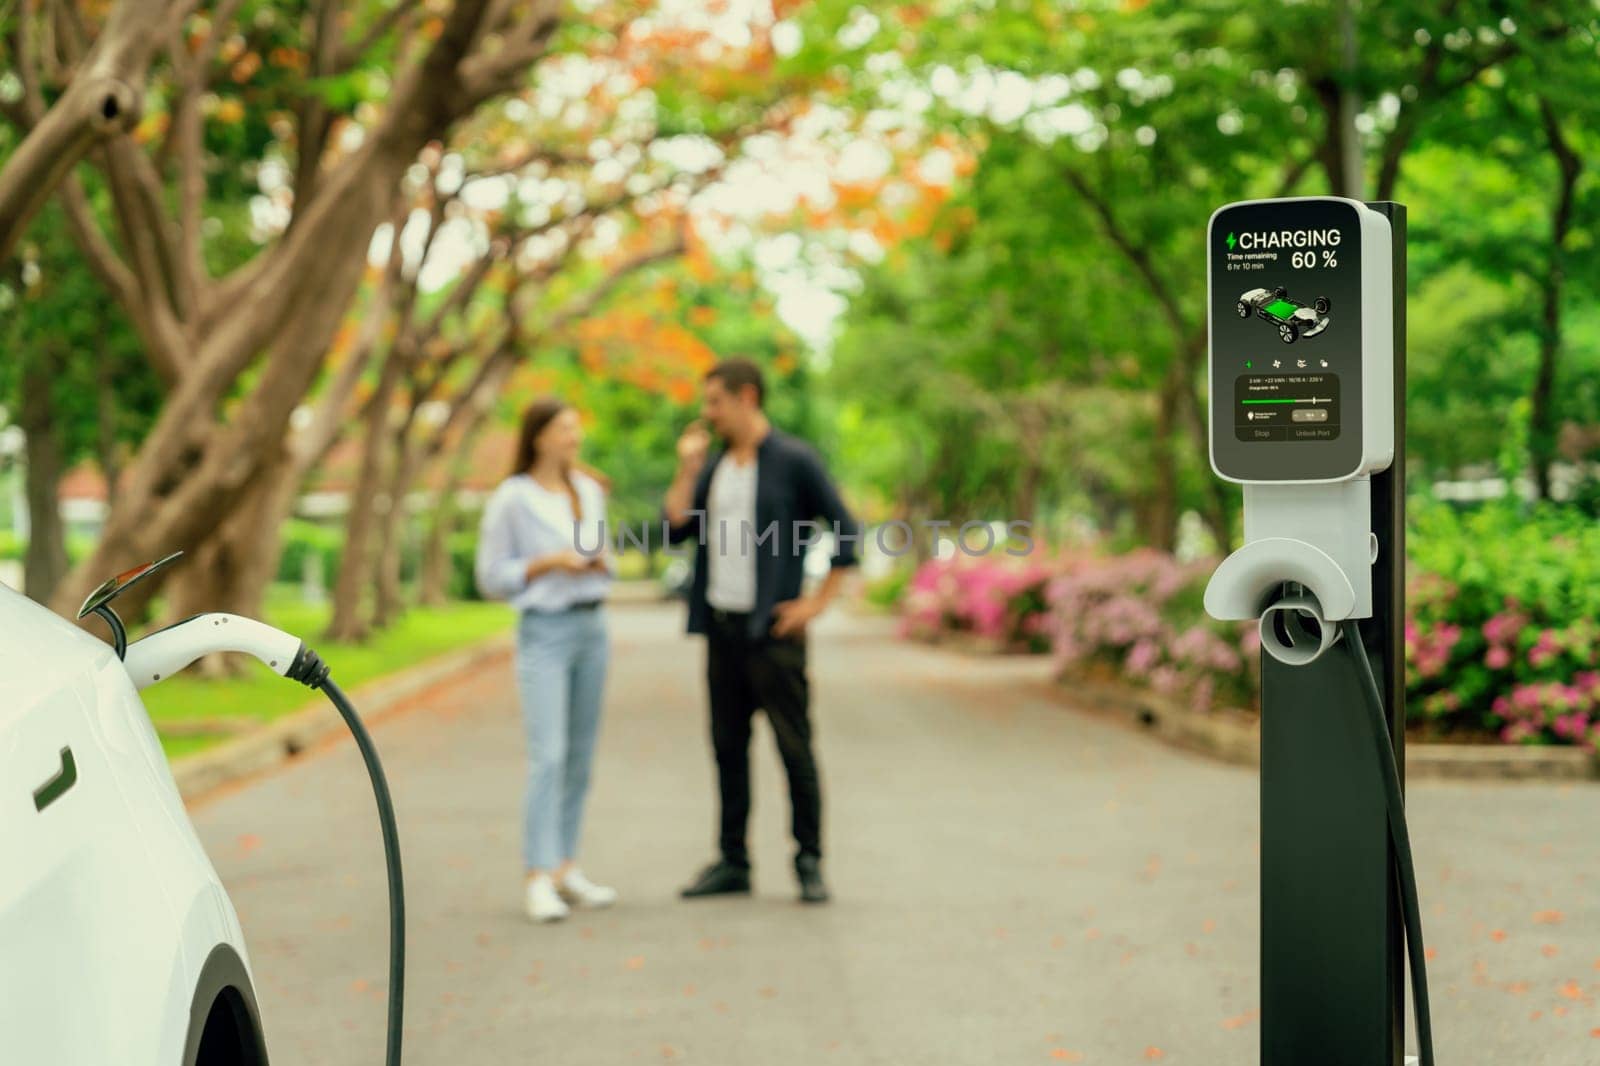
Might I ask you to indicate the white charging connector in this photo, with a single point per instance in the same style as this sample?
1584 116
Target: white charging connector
167 651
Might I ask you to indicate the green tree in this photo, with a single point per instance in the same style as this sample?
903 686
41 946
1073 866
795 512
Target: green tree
74 377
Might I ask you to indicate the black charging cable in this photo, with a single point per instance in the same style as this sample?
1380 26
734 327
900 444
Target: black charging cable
1405 871
311 671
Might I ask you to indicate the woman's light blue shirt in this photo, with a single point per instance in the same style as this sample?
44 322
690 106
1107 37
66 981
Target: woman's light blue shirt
524 521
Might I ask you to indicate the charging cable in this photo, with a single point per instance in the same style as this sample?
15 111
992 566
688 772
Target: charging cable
1405 871
165 652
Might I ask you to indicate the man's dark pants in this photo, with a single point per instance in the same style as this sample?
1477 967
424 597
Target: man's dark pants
769 673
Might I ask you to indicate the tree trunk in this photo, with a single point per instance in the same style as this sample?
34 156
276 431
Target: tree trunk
387 601
1340 150
269 503
1220 506
106 426
434 582
348 623
1160 517
1352 164
45 563
232 570
405 452
1542 415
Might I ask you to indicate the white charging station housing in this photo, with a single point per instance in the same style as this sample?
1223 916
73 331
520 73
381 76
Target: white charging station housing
1300 329
1309 240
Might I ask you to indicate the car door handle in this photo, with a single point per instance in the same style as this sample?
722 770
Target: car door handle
57 786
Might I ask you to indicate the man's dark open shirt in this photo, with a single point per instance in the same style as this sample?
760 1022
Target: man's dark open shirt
792 489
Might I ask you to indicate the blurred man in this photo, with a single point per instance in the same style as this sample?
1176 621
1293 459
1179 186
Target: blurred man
753 506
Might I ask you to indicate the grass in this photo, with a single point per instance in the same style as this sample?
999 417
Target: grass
420 634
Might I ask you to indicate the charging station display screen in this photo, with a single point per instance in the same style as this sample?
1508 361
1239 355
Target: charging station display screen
1285 319
1286 407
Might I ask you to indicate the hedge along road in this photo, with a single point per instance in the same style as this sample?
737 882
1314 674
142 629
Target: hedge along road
1013 883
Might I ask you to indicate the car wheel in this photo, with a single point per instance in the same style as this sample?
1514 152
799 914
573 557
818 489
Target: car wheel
1243 309
1280 292
224 1023
1287 334
1321 305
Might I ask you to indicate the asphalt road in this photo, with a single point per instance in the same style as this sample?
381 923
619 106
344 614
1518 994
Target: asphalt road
1015 882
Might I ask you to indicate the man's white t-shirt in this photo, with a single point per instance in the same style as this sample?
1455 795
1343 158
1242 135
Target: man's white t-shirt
731 537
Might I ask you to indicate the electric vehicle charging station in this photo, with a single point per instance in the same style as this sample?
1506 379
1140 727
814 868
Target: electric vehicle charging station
1314 431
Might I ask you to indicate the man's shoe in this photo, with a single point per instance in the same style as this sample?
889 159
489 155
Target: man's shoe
812 889
721 878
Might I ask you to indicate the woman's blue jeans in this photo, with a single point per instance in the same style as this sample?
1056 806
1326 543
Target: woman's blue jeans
561 672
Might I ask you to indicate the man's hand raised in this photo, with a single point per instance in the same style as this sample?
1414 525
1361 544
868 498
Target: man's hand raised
692 448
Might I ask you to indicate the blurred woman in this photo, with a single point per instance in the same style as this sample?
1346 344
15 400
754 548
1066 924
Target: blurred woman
541 548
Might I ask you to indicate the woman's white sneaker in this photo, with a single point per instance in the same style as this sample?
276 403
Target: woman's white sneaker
543 902
578 889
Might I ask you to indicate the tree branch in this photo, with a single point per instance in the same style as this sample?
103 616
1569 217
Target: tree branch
149 232
1134 253
313 120
163 342
104 98
1293 173
103 260
582 306
350 54
489 74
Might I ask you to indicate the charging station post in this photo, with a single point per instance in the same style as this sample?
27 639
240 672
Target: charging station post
1307 376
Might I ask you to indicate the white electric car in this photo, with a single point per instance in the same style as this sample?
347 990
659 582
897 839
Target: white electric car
118 944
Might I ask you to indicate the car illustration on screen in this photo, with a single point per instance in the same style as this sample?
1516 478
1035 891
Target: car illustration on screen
1293 318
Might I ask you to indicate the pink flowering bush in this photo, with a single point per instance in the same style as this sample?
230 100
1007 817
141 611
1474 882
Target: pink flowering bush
1140 615
1502 638
995 598
1137 614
